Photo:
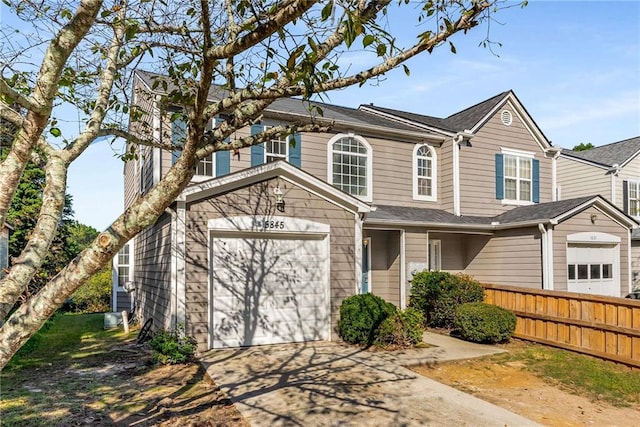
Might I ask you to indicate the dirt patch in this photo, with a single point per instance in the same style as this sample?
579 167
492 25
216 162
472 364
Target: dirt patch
511 386
120 387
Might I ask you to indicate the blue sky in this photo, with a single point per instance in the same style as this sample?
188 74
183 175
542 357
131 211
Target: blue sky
574 65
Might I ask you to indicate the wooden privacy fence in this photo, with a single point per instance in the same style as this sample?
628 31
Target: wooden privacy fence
605 327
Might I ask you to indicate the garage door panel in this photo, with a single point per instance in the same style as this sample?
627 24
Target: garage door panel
593 269
281 281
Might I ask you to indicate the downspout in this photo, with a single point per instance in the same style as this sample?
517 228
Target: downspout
174 270
554 171
613 171
545 266
460 137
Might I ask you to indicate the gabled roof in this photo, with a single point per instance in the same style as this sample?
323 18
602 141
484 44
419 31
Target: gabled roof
280 168
460 121
521 216
617 153
469 119
296 108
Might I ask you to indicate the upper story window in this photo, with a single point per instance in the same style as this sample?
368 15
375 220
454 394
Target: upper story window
207 166
350 165
276 149
424 173
631 196
517 177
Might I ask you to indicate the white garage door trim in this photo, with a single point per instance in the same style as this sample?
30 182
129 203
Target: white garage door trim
300 319
593 263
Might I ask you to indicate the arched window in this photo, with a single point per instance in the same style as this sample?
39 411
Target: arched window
349 165
424 173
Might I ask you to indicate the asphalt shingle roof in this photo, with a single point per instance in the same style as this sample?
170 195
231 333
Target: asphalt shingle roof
422 215
298 107
538 212
616 153
460 121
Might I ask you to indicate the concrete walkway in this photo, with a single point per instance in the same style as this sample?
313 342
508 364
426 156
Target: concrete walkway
329 384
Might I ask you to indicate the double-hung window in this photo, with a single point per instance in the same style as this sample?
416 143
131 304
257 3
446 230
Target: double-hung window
276 149
350 166
632 197
424 173
206 166
517 177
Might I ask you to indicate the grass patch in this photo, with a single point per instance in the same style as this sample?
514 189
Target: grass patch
65 337
581 374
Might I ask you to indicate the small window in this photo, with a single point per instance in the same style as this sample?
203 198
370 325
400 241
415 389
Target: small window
276 149
571 271
607 271
595 271
634 198
424 173
206 166
583 271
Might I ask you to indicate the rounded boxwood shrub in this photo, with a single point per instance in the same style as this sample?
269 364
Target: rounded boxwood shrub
401 329
360 317
437 294
484 323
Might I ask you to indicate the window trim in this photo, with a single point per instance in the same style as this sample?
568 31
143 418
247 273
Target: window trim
518 154
435 245
369 156
434 174
266 153
130 265
636 183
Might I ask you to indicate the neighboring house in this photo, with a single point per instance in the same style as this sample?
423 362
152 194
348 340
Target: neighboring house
267 241
613 171
4 248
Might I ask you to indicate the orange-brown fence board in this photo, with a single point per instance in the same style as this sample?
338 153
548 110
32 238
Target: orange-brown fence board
604 327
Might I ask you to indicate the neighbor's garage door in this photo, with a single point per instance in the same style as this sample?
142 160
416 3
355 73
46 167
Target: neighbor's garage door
269 290
593 269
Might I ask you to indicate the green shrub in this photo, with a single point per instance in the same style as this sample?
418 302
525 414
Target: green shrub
402 329
360 317
172 347
92 297
437 294
485 323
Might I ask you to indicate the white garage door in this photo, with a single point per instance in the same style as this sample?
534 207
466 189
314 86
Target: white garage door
269 290
593 269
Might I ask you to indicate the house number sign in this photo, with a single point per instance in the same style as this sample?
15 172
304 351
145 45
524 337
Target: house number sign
268 224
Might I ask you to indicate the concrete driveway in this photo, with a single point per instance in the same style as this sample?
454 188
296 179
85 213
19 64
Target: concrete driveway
329 384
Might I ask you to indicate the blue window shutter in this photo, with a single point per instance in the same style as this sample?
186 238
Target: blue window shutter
257 151
178 135
535 181
223 159
294 151
223 163
499 177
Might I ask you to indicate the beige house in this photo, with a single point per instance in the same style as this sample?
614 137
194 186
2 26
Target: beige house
613 171
267 241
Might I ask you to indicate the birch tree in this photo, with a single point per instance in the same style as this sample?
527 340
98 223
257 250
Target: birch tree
81 55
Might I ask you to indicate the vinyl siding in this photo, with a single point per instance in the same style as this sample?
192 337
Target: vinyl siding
257 200
415 241
153 272
579 223
477 172
385 264
445 176
510 257
577 179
